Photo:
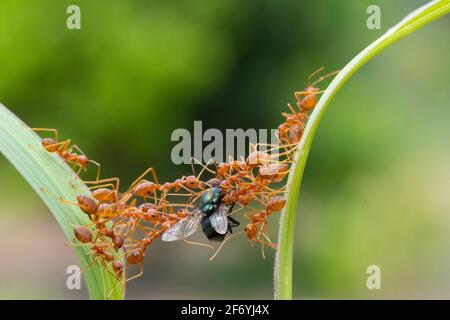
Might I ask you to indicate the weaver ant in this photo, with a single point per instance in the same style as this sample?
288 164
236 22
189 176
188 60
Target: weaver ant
307 99
291 131
69 153
259 223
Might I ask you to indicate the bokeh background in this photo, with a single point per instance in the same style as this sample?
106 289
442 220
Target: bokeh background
376 187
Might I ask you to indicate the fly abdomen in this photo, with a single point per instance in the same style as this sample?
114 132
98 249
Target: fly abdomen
209 230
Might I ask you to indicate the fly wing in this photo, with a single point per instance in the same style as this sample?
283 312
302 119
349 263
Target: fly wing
183 228
219 219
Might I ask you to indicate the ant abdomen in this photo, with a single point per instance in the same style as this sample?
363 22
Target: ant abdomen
145 188
87 204
276 203
82 234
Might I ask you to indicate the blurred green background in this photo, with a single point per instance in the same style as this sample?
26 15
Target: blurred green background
376 187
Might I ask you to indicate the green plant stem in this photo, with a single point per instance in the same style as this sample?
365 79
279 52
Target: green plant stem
284 255
52 178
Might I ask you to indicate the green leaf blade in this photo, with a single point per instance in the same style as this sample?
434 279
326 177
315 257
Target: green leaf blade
51 178
284 256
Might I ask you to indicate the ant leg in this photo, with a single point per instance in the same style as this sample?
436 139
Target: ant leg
141 272
80 168
88 266
284 153
194 198
216 165
223 243
171 205
90 161
181 194
65 144
249 215
267 195
325 77
55 131
105 185
122 284
162 202
115 179
77 148
204 167
99 166
192 166
60 198
300 94
191 192
295 113
262 249
273 147
102 186
266 235
199 244
252 147
139 179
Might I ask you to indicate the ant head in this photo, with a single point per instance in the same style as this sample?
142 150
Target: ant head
250 230
222 168
118 267
191 181
118 242
82 160
214 182
181 213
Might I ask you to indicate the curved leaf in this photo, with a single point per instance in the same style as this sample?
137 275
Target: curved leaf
284 256
51 177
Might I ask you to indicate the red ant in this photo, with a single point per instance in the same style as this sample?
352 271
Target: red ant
66 151
259 223
307 99
292 129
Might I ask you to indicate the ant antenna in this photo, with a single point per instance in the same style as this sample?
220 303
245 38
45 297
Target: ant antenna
199 244
325 77
312 75
216 164
192 166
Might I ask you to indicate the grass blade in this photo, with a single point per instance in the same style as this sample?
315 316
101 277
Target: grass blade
22 147
284 257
